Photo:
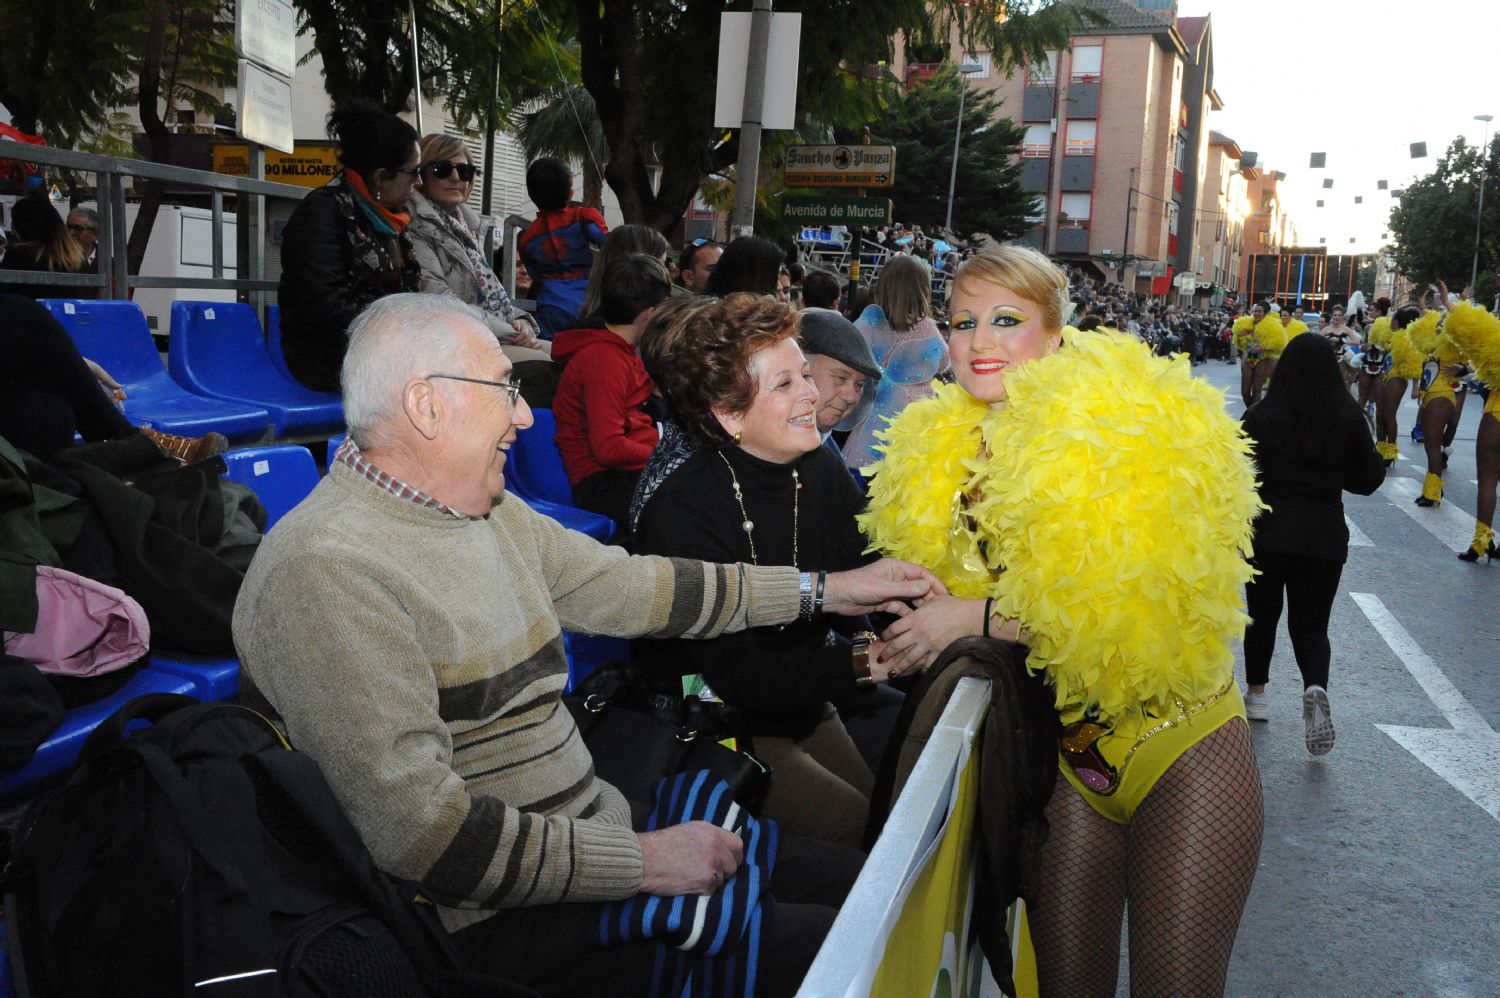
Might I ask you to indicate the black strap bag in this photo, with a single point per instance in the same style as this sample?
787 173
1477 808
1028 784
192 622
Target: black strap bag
637 735
201 855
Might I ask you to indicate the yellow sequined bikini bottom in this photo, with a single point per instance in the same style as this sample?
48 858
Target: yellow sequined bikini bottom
1114 767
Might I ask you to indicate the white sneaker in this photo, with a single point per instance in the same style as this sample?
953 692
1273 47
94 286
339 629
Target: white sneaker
1318 720
1256 708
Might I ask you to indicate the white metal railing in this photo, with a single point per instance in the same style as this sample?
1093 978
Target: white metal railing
859 938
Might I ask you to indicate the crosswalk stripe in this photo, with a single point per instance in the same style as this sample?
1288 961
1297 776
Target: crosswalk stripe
1447 523
1357 537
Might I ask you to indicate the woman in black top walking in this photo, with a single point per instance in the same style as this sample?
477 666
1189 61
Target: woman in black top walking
1311 444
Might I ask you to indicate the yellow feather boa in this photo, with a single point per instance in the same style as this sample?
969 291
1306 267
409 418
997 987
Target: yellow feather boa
1294 329
1424 332
1243 328
1272 335
1406 359
1118 496
1380 333
1477 334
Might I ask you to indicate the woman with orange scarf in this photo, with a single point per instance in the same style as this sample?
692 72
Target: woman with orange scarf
345 245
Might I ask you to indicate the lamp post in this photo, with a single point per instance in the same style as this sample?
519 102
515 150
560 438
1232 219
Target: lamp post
1484 160
963 88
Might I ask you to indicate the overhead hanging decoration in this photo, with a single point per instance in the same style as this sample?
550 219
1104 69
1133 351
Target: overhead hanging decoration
1419 150
1319 160
1381 185
1359 199
1328 182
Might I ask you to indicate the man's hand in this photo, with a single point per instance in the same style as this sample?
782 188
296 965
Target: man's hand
691 858
882 586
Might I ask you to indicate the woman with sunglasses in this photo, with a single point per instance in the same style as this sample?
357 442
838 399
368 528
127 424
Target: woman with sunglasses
1077 494
449 241
345 244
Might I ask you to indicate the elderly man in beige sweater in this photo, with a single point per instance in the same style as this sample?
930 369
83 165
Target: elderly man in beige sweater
404 623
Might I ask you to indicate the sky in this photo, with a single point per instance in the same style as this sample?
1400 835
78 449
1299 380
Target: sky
1360 81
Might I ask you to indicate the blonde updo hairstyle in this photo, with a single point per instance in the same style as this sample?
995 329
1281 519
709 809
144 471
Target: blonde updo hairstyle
1026 272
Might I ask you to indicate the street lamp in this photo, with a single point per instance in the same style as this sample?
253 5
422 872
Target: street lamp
1484 160
963 72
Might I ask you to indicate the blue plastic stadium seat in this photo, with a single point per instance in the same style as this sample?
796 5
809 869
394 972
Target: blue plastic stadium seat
587 652
217 349
56 756
536 463
213 678
114 335
281 476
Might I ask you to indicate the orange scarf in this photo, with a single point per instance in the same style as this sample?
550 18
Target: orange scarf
388 222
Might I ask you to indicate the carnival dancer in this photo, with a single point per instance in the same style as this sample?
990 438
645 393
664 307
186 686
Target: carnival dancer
1062 492
1403 365
1442 367
1477 334
1374 357
1259 338
1347 343
1292 324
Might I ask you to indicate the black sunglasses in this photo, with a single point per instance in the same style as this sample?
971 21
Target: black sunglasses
443 169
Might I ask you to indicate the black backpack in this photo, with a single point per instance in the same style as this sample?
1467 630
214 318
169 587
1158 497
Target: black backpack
203 856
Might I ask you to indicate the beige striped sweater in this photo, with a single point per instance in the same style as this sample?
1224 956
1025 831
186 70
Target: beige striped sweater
418 658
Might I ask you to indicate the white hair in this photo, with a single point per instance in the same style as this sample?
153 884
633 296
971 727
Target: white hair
395 339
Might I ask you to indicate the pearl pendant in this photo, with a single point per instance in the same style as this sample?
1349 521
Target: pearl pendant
747 526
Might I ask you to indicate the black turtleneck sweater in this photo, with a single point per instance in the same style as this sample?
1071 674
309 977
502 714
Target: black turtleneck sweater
780 678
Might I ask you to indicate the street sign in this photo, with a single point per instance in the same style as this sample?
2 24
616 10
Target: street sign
1186 281
837 211
840 166
265 111
265 32
779 109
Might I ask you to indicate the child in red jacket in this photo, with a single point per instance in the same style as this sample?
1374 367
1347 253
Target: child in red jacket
604 432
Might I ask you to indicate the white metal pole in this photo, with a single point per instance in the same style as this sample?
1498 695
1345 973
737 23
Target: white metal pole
958 132
1484 159
416 65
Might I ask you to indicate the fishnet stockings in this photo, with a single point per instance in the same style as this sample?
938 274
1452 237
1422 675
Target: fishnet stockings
1185 862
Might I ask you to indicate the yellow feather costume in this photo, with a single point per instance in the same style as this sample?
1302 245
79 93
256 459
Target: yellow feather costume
1272 335
1294 329
1243 328
1118 497
1380 333
1476 334
1406 359
1423 333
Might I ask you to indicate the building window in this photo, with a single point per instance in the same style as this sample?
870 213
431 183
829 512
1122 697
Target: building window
1043 74
982 60
1080 138
1172 220
1075 211
1180 154
1038 141
1088 61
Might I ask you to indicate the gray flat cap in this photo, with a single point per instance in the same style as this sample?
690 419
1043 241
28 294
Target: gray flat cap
826 332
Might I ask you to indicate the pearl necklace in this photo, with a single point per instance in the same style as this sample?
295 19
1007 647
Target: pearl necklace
748 525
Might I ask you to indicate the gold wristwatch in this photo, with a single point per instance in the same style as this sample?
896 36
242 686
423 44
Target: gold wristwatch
860 647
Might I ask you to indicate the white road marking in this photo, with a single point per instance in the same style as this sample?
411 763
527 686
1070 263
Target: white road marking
1357 538
1448 523
1467 755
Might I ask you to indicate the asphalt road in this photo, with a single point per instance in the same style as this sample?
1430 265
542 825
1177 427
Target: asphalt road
1380 869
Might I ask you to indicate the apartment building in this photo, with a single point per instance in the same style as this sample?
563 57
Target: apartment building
1223 206
1268 228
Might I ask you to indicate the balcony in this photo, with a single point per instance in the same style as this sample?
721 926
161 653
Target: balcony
1038 102
1073 236
1078 172
1034 174
1083 97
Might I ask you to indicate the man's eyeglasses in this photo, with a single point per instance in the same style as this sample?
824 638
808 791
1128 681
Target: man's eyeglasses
512 387
443 169
76 228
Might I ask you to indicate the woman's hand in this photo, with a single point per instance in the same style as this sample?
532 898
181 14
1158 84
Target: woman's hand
111 386
916 640
880 586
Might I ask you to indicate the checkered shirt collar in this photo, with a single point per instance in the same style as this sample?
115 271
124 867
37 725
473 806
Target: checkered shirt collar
349 455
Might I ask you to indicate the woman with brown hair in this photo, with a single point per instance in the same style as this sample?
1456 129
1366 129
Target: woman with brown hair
759 487
43 244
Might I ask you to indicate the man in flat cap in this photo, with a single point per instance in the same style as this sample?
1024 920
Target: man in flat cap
842 365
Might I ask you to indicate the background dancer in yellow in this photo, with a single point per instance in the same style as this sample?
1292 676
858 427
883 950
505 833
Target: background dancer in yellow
1405 365
1442 366
1477 334
1095 501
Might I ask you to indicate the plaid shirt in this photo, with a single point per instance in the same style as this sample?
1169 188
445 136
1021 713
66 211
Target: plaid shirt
349 455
